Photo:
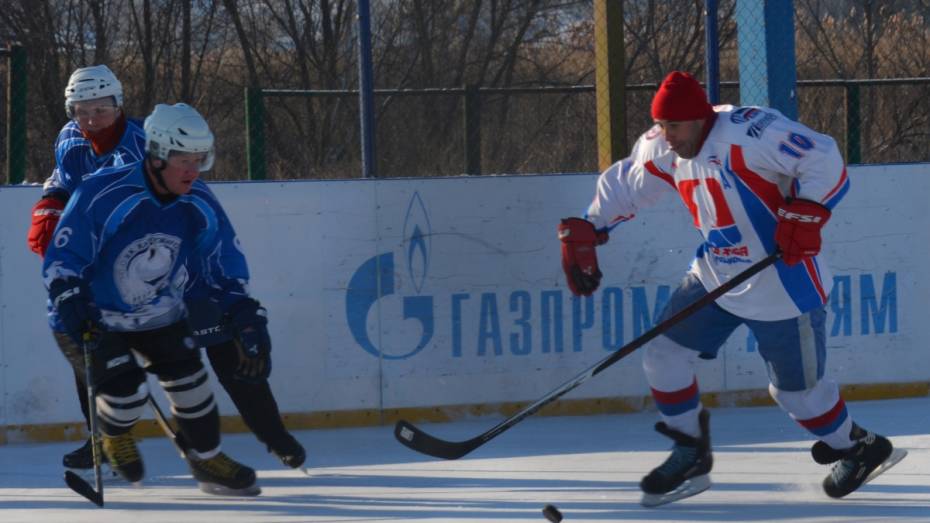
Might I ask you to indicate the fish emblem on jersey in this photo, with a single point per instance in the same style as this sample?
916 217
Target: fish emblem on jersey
144 267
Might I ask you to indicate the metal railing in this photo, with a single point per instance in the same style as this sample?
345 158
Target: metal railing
472 103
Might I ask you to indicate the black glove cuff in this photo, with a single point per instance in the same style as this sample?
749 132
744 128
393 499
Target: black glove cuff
64 289
247 311
57 194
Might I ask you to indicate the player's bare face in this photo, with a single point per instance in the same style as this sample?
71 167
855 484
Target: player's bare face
683 137
95 115
181 171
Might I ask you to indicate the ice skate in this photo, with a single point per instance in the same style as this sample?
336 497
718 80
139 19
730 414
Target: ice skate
686 472
81 462
853 467
289 451
80 458
124 457
222 476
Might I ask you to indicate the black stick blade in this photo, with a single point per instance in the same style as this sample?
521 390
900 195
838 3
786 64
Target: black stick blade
77 484
413 438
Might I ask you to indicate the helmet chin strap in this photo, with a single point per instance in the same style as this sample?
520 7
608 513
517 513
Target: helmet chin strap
159 179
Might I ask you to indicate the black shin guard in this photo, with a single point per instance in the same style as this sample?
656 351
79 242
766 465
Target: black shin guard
82 397
186 383
254 400
121 401
75 356
258 409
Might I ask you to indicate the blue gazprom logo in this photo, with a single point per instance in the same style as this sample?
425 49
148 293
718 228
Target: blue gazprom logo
374 280
486 323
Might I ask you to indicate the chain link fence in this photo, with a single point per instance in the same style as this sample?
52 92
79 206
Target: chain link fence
450 99
466 130
435 132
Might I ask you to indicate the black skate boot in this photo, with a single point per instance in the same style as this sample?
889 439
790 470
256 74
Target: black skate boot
81 458
853 467
686 472
81 462
222 476
124 457
289 451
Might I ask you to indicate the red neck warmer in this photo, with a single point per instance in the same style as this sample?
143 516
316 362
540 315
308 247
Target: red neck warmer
105 140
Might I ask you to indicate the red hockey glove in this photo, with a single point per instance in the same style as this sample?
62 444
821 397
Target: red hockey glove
579 257
45 215
798 231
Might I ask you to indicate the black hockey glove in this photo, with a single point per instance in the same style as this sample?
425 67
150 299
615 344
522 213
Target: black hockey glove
249 323
78 314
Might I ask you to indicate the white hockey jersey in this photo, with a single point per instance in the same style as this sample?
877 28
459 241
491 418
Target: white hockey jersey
753 158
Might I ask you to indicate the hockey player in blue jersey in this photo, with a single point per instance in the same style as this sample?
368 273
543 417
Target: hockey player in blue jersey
129 240
754 182
100 135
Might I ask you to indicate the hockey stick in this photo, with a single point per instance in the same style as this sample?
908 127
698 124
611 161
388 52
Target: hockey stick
414 438
75 482
177 439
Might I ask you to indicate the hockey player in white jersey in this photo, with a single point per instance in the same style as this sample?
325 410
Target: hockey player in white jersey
754 183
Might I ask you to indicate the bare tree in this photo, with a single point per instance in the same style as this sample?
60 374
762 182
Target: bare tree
206 52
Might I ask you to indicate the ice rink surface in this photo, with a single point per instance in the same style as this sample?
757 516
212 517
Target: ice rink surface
589 467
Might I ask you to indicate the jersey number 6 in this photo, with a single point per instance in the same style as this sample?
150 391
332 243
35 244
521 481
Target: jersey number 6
61 239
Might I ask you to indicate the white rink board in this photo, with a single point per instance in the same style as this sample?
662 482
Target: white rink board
388 294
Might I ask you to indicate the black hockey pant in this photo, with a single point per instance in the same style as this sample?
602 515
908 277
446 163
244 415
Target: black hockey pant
254 400
170 354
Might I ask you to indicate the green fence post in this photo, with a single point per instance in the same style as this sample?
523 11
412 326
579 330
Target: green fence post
853 125
16 121
472 129
255 132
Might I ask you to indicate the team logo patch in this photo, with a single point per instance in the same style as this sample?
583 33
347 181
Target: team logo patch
144 267
730 255
757 128
744 114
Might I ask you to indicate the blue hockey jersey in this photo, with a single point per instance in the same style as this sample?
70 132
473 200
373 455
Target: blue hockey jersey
137 253
75 158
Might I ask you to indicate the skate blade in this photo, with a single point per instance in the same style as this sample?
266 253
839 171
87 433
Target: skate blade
689 488
896 456
220 490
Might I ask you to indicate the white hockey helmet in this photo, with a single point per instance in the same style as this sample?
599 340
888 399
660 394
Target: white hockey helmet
179 128
91 83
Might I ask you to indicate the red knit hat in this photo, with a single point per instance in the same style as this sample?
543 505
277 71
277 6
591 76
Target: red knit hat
680 97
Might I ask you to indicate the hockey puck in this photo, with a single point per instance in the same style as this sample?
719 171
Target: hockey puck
552 513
